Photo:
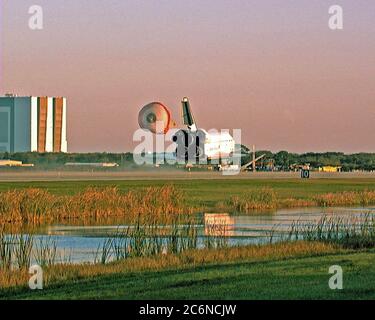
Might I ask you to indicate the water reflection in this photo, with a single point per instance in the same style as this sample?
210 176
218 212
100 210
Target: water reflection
219 224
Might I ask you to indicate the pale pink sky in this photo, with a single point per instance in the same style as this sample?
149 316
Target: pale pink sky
272 68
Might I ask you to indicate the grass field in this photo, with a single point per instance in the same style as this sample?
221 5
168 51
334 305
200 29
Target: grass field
291 278
207 193
293 275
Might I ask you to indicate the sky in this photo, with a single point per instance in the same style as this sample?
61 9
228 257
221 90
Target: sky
271 68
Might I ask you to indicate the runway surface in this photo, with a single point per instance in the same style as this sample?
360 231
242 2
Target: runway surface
25 176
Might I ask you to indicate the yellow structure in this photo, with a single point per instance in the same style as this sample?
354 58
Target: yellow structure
330 169
10 163
13 163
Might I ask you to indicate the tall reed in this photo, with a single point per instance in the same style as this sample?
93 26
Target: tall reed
33 206
36 206
257 199
350 233
23 250
346 198
6 251
45 252
268 199
19 251
147 237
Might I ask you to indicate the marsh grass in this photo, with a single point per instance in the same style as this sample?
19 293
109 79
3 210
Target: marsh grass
346 198
17 251
267 199
353 233
257 199
36 206
22 248
146 238
104 252
45 252
6 252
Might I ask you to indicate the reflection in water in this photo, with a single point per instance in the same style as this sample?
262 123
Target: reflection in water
218 225
80 243
261 225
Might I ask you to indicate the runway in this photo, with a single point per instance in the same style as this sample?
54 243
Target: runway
27 176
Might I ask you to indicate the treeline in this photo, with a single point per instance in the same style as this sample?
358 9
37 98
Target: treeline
284 160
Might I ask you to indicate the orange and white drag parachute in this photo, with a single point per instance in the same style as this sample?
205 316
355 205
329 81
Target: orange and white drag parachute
155 117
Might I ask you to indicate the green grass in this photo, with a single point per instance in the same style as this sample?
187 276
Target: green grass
293 278
208 193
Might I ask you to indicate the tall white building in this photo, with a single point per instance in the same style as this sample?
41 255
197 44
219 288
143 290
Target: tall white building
33 124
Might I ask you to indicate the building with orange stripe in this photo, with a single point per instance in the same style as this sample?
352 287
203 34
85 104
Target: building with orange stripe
33 124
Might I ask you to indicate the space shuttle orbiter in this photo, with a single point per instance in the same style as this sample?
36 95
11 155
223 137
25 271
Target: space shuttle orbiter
192 144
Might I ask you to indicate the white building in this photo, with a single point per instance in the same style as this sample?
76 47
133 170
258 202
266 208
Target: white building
33 124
